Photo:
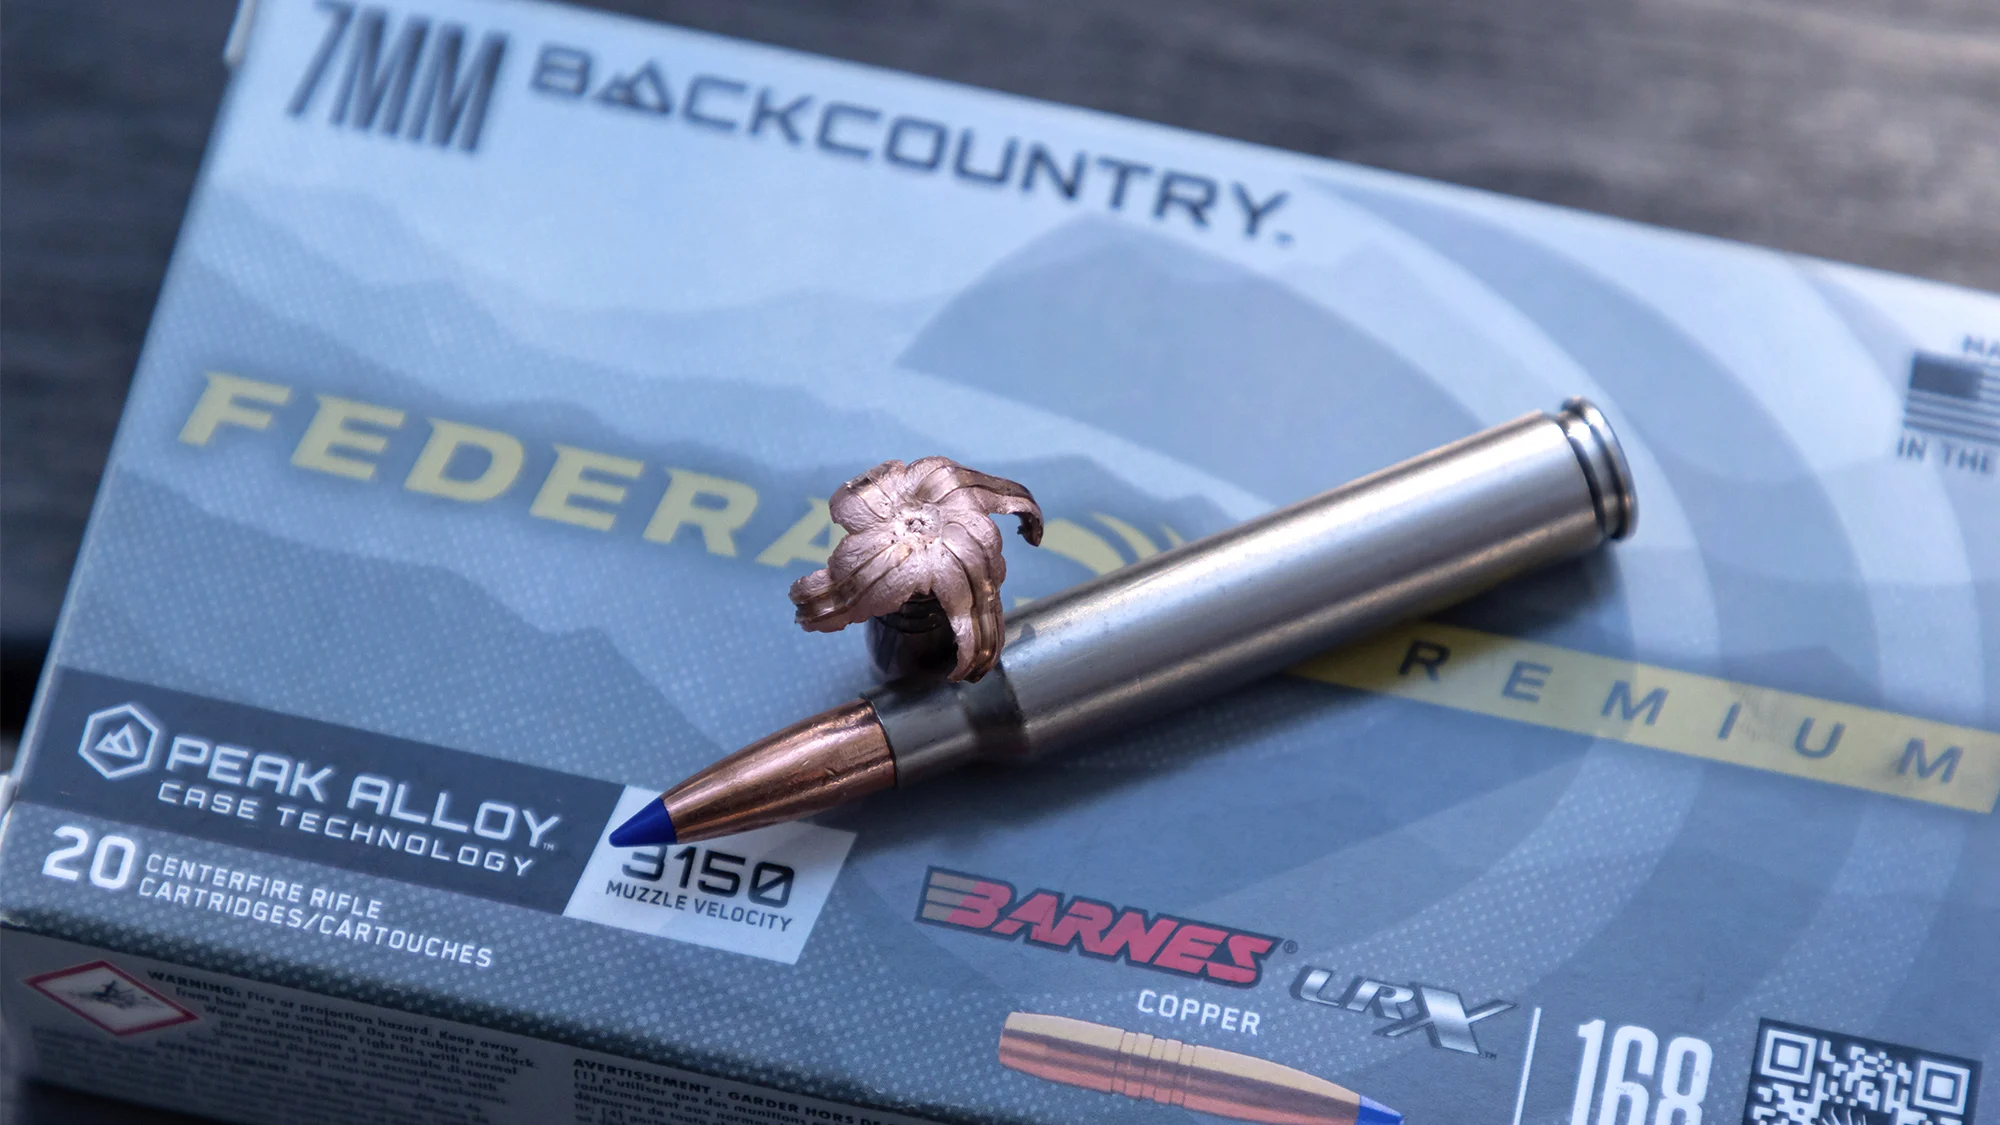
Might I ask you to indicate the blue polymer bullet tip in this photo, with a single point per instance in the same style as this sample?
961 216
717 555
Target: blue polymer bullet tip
651 825
1372 1112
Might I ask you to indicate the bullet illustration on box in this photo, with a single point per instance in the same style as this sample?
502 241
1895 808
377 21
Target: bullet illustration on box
1112 1060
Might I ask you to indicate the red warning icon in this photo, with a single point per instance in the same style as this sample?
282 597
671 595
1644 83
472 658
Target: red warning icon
110 997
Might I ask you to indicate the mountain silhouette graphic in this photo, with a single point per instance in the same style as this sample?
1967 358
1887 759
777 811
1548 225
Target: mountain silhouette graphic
1237 374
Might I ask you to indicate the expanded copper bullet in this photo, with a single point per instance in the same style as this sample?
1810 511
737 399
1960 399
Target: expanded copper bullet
1112 1060
1189 623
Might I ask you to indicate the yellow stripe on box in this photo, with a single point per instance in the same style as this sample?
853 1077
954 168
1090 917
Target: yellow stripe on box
1702 716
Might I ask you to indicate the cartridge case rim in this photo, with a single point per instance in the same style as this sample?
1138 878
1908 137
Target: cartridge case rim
1604 466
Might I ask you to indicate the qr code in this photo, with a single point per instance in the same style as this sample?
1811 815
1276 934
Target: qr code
1804 1076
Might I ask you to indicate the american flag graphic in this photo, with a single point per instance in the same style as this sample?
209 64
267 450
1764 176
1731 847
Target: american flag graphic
1954 396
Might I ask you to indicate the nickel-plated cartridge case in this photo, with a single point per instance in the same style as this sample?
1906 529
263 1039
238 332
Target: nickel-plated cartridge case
1209 615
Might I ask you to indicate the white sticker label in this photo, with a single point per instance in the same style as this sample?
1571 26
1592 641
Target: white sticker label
756 892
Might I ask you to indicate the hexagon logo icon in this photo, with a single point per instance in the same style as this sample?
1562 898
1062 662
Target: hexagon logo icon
120 741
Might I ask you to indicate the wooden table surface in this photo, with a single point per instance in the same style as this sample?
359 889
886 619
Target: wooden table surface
1863 130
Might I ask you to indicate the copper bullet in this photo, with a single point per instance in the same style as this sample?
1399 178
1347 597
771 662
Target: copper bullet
832 758
1112 1060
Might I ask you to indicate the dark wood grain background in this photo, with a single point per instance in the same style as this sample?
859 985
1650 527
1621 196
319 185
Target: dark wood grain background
1864 130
